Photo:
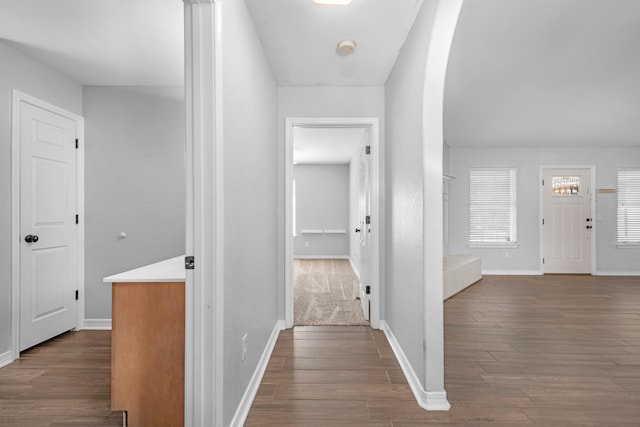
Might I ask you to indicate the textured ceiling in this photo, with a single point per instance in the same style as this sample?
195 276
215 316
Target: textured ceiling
101 42
521 73
545 73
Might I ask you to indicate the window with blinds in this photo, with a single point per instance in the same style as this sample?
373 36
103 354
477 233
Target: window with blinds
492 206
629 206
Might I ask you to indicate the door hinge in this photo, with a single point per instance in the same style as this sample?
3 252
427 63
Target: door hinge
367 290
543 260
77 219
76 143
367 149
189 263
368 219
543 182
77 295
542 221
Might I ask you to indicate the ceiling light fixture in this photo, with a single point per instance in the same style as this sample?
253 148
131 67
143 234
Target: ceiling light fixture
346 47
332 2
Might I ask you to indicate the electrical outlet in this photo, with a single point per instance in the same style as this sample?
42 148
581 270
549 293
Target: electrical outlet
506 254
244 346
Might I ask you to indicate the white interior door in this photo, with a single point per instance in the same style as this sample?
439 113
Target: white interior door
365 228
567 222
48 231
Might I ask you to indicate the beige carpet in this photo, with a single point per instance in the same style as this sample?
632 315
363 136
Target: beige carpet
325 292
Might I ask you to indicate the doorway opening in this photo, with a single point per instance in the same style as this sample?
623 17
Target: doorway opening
567 204
334 244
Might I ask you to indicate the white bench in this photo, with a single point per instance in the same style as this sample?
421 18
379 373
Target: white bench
460 272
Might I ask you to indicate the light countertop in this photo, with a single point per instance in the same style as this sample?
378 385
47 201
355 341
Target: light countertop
170 270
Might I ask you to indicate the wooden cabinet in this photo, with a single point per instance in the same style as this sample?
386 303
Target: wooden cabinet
147 349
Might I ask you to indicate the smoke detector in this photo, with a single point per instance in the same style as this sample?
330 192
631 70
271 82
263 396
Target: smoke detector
346 47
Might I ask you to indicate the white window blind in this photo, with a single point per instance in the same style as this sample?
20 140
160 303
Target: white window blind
492 206
629 206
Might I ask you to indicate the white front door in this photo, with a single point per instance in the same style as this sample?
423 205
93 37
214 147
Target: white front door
48 231
567 222
365 228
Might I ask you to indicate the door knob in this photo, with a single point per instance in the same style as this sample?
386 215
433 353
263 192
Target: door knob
31 238
357 230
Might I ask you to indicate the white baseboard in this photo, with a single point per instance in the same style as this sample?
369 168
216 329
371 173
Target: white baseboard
320 256
512 272
354 268
429 400
5 359
96 324
250 393
617 273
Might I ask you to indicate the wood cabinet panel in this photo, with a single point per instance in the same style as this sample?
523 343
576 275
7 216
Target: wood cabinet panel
147 353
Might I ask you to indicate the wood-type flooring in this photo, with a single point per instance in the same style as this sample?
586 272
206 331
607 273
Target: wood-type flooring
535 350
64 382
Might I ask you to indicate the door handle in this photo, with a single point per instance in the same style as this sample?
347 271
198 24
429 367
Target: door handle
589 227
357 230
31 238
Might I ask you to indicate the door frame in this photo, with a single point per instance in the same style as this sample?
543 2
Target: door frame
373 124
541 170
17 98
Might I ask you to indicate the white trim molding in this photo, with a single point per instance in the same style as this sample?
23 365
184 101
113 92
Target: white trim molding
321 257
17 98
204 290
431 401
616 273
254 384
6 359
511 273
96 325
377 222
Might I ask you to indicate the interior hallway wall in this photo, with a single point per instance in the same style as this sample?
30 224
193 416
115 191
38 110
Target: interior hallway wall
250 202
21 72
322 202
134 183
323 101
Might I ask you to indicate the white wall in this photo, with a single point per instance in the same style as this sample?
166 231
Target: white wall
404 293
321 101
134 183
250 201
526 257
21 72
322 202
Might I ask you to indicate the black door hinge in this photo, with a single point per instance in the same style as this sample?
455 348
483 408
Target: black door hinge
367 290
543 260
76 143
77 219
367 149
542 221
77 295
543 182
189 263
368 219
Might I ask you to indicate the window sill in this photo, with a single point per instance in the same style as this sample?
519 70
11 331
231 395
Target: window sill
493 245
628 245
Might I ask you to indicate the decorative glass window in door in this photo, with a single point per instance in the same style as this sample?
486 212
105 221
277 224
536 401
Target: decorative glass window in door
565 186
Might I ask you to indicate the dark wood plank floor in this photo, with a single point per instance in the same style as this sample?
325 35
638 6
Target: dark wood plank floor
545 350
65 382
